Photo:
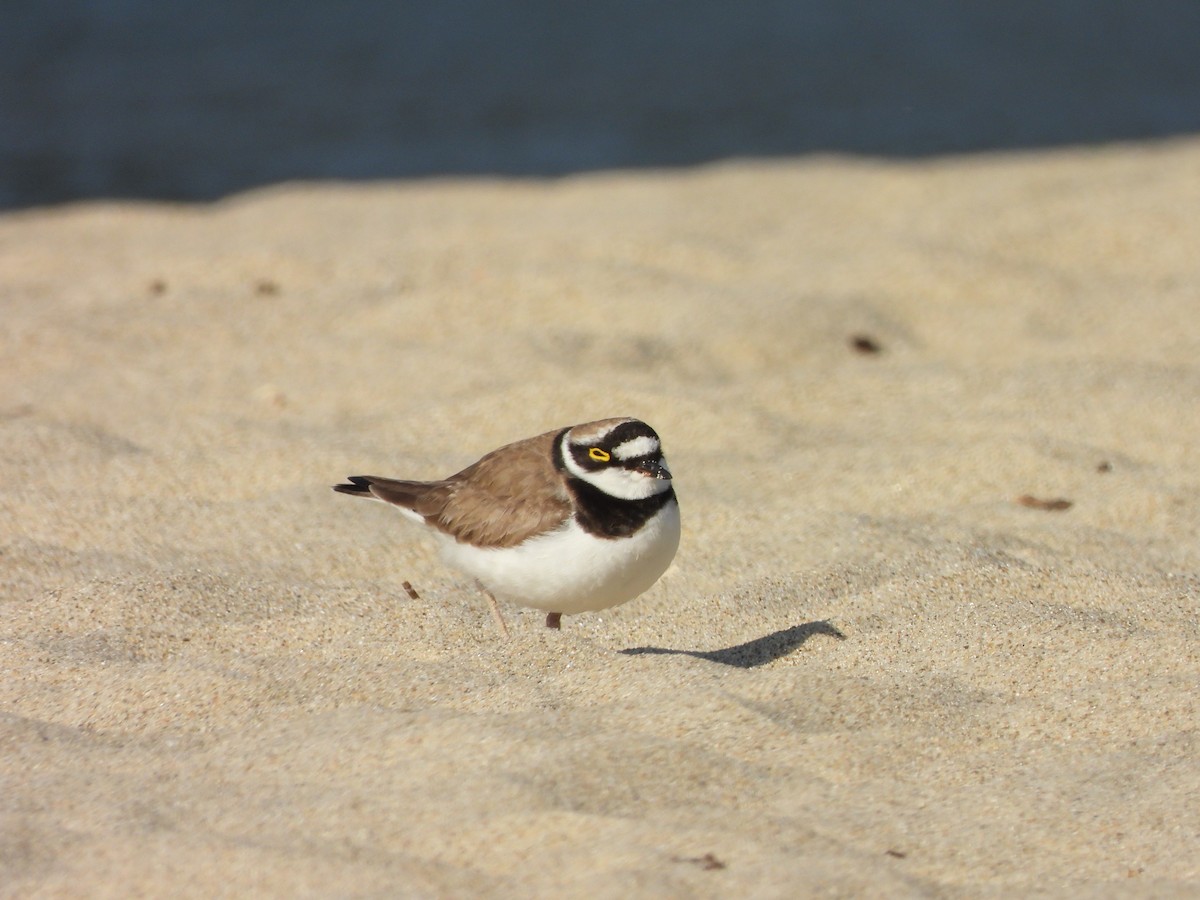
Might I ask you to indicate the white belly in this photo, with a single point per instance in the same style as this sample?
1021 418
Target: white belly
571 571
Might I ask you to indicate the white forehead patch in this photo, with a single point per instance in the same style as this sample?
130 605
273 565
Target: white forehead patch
638 446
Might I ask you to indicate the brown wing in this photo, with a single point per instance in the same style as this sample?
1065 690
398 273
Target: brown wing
507 497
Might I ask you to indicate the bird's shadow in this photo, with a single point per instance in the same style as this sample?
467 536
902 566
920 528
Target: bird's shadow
757 652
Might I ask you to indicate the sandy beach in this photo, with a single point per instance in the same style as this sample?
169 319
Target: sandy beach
933 628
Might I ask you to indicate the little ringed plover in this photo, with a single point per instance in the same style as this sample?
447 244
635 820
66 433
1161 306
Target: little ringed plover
570 521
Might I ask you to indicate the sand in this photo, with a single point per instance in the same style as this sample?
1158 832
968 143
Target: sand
873 669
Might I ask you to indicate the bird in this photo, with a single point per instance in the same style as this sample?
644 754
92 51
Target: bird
574 520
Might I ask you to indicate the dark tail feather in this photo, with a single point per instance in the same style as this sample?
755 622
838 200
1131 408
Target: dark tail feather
359 486
390 490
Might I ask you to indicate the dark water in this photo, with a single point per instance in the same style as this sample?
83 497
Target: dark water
140 98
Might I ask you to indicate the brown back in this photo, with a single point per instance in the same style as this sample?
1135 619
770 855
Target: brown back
506 497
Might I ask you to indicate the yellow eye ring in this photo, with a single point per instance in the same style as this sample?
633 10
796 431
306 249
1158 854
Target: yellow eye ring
599 455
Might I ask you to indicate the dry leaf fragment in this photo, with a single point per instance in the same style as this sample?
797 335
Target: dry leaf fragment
708 861
1058 504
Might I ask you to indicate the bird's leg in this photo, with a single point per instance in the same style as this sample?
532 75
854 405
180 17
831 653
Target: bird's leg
495 607
554 620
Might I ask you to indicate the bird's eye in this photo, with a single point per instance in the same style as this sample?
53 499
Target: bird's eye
599 455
